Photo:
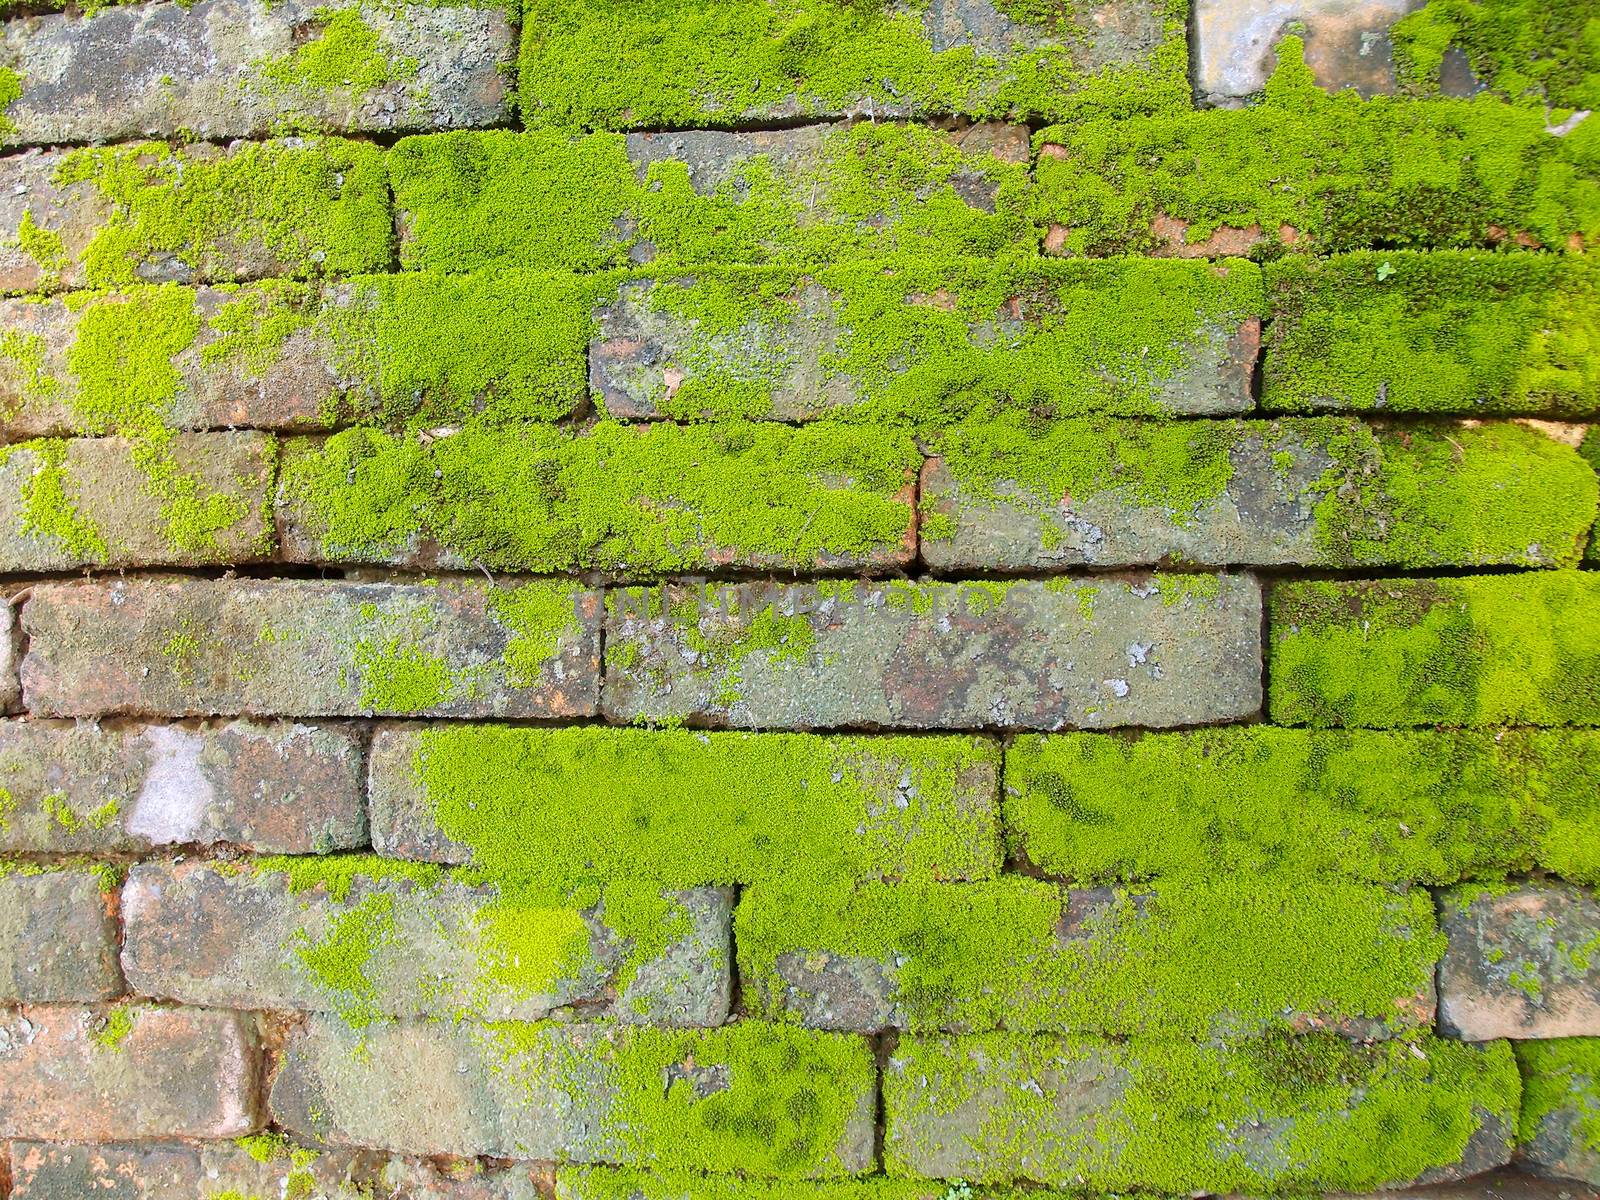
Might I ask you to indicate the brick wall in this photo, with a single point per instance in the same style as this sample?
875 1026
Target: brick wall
657 599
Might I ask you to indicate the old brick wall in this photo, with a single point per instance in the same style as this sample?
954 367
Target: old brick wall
655 599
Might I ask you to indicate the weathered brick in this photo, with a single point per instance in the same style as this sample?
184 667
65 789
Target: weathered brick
58 938
242 68
77 1074
353 937
153 213
641 500
771 1100
1308 1113
223 647
1185 958
113 502
1116 650
1477 650
1560 1104
930 341
1318 491
624 1183
616 65
686 809
1422 806
10 659
1522 962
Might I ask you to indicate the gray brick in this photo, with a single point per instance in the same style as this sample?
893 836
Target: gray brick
380 945
230 68
225 647
1114 650
1522 962
58 938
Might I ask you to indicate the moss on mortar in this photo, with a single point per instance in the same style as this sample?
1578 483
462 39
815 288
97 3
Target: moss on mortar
1561 1076
1546 52
580 1182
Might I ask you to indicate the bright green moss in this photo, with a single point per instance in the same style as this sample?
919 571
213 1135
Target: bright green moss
338 961
1486 650
1379 807
122 357
1445 332
49 507
650 500
630 1183
1561 1078
10 93
1325 172
113 1031
344 57
320 207
251 328
1545 52
44 247
1264 1114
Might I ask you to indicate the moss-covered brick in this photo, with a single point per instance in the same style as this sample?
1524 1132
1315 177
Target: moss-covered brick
767 1100
551 199
1325 173
369 938
58 936
1560 1126
1188 957
643 500
150 212
682 63
686 809
1482 650
1266 1114
1018 493
929 342
1452 331
1378 806
1546 53
624 1183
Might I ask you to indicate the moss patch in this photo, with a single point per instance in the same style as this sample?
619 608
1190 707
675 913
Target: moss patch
1561 1077
1547 53
630 1183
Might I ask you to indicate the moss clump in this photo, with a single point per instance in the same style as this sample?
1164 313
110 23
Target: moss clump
1544 52
632 1183
49 505
1487 650
1325 172
650 500
1444 332
1561 1079
344 59
1381 807
1190 957
110 1033
10 93
672 64
314 208
1274 1113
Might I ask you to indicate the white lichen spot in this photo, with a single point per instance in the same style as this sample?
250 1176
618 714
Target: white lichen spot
176 795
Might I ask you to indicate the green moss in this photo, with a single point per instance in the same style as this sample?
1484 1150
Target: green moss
1488 650
1546 52
1561 1077
648 500
250 329
338 960
111 1032
59 809
10 93
263 1147
1380 807
1340 172
344 56
49 505
671 64
1273 1113
630 1183
122 357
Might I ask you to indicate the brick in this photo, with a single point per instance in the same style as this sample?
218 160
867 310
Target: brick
1260 1114
1522 961
10 659
1189 958
241 68
1447 331
743 66
770 1099
354 938
1423 806
1560 1098
230 647
686 808
635 500
1474 650
930 341
77 1074
153 213
112 502
1321 492
58 936
278 787
623 1183
1120 650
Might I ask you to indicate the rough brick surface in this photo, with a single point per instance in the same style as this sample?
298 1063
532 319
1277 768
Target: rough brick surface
201 647
1118 650
76 1074
431 947
99 502
587 1093
1522 962
10 659
240 68
58 939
